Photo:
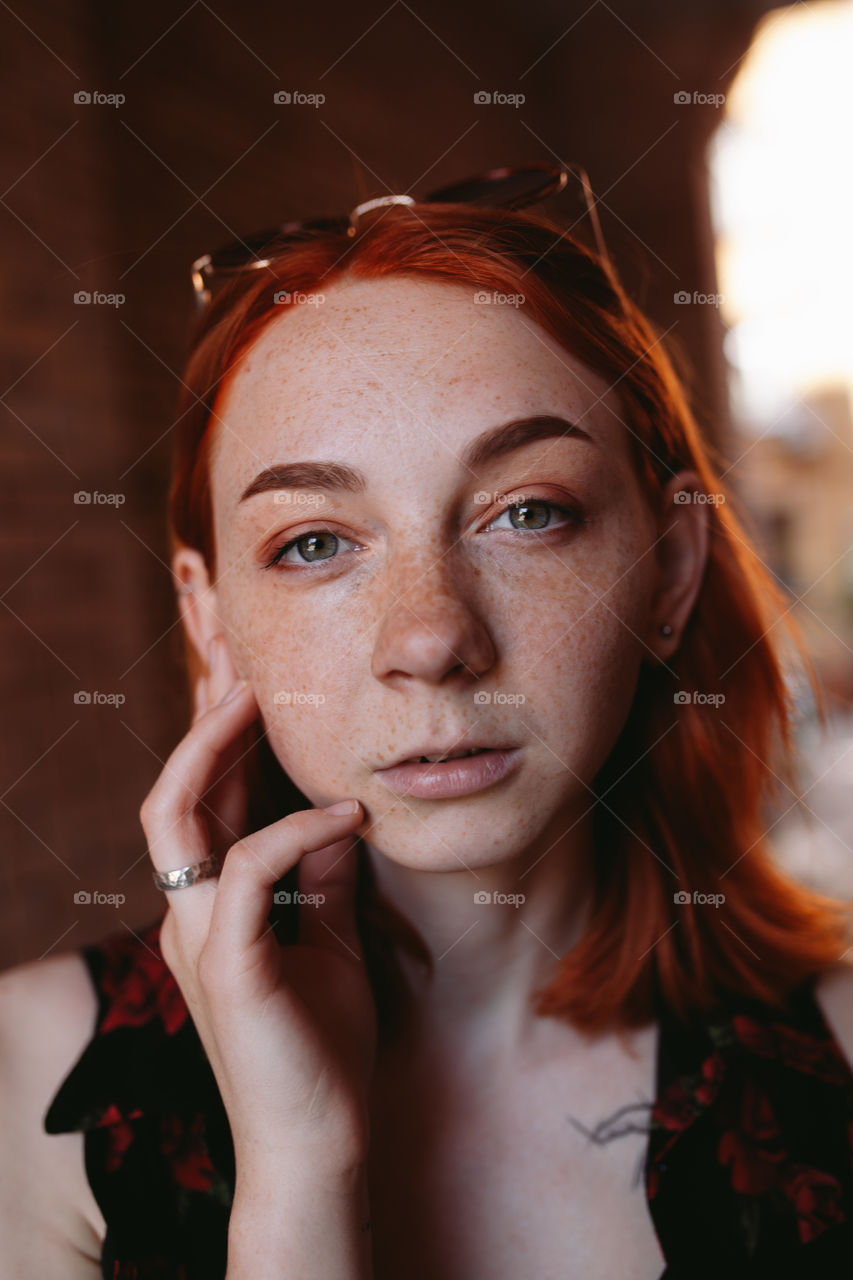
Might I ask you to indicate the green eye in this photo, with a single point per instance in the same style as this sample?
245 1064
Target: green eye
317 540
531 510
319 546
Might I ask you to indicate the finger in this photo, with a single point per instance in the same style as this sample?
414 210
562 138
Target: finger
172 815
221 668
328 878
200 698
226 804
244 895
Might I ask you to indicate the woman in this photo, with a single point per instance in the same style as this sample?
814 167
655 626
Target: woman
551 1011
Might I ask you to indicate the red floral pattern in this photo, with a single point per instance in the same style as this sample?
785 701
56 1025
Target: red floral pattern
752 1144
794 1048
182 1143
747 1074
816 1199
139 985
119 1134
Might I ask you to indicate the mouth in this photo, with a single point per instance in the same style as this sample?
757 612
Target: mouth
441 757
445 775
453 755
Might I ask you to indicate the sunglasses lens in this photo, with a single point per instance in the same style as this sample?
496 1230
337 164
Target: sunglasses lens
263 244
504 188
514 188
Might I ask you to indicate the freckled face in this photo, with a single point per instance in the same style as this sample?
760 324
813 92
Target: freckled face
392 608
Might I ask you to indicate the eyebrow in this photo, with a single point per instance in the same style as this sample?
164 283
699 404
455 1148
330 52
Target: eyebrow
493 443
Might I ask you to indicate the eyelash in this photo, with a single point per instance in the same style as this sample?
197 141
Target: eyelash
575 513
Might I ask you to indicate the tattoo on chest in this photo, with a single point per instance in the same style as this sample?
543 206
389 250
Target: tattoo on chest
634 1117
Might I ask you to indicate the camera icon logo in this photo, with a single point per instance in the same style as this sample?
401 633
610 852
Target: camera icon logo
82 96
482 96
681 495
482 696
682 697
82 896
282 895
681 97
482 895
81 497
281 97
82 298
681 898
82 698
681 297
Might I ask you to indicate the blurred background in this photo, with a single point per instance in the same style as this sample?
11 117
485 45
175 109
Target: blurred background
716 134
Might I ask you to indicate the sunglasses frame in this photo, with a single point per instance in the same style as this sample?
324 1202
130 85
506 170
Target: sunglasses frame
555 178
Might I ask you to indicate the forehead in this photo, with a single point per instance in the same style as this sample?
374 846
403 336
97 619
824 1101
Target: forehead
338 375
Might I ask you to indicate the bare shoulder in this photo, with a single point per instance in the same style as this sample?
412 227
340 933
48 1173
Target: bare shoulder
51 1223
834 992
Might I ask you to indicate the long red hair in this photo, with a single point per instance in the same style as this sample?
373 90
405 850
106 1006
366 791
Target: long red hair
683 799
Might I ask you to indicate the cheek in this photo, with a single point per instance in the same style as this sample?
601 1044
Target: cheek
571 644
305 678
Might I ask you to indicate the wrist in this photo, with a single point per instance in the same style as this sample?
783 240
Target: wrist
323 1164
289 1219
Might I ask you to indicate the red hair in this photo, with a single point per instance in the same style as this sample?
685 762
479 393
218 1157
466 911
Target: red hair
681 801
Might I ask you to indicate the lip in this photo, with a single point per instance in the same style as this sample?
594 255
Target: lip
447 778
457 742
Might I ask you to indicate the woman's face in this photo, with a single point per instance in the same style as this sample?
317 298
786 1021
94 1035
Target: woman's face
429 588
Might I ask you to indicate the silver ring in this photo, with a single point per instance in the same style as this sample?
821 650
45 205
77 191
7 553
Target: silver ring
183 877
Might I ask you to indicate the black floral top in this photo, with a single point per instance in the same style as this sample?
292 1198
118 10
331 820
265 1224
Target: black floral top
748 1169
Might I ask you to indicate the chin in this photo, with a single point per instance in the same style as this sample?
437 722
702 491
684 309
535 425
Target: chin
455 843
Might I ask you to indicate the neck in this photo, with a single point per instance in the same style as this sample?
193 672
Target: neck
490 957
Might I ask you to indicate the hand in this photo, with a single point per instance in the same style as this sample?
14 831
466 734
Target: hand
290 1031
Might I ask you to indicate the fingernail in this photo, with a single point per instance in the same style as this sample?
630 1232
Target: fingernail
233 691
343 806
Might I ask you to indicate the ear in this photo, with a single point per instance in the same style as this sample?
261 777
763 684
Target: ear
196 600
681 553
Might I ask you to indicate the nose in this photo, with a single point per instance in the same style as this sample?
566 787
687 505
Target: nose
431 629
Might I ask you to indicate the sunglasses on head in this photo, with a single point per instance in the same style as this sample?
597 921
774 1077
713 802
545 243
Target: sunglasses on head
505 188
